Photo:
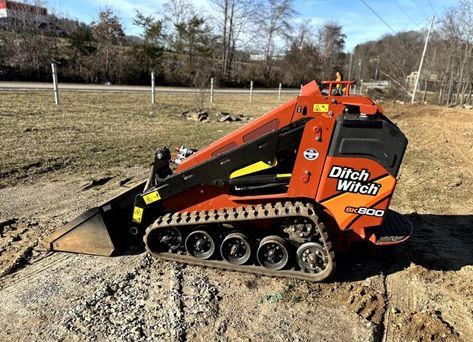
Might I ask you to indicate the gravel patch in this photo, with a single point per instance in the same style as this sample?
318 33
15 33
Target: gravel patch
144 305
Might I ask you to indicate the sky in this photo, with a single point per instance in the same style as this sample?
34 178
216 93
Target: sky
359 23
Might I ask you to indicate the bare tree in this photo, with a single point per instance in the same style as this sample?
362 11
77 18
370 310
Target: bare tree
398 56
302 60
176 12
28 44
457 34
276 21
233 19
108 32
331 44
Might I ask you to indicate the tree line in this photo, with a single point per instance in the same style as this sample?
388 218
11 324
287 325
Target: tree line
447 75
241 40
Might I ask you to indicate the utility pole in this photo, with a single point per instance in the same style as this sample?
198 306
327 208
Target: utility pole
377 59
377 68
360 63
349 68
422 60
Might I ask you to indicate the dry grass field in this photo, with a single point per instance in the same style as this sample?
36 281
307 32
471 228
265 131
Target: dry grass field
49 157
101 130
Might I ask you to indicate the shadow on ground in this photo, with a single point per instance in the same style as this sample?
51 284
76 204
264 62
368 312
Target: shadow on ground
439 243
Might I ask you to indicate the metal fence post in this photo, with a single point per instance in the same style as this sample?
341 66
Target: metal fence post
279 92
251 91
153 89
212 90
55 86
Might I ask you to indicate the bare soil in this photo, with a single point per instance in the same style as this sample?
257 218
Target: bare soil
57 162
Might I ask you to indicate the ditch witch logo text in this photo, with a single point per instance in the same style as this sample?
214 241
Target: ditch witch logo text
350 180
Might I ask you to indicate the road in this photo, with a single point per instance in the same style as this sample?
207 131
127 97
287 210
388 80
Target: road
36 86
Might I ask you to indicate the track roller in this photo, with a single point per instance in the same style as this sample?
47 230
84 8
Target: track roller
272 253
202 239
235 249
311 257
164 240
200 244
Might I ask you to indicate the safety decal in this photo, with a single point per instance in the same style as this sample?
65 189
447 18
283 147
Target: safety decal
351 180
320 107
137 214
311 154
151 197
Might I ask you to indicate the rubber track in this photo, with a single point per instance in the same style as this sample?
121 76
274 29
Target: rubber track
245 213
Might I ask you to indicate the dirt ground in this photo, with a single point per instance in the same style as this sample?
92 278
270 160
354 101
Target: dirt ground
55 163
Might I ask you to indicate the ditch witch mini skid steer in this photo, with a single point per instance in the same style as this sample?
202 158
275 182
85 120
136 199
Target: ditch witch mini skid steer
278 196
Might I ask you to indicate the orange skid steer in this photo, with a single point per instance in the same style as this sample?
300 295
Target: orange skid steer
279 196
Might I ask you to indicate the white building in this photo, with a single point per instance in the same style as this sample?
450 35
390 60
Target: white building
430 79
12 10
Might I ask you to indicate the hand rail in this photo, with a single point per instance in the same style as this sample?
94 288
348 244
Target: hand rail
346 89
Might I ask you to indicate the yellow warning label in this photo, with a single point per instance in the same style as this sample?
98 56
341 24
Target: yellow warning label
151 197
320 107
137 214
284 175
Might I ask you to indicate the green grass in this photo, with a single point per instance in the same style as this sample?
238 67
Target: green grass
98 131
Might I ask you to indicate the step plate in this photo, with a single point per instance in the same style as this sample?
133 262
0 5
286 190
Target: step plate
396 229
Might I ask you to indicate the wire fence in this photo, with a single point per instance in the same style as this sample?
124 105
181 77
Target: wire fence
210 92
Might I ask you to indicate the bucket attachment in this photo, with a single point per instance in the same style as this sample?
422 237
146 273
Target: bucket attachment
101 230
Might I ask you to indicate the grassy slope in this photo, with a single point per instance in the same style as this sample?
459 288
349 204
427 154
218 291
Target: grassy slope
96 132
99 131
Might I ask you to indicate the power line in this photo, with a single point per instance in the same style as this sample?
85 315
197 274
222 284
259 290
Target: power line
433 9
414 1
380 18
405 12
421 9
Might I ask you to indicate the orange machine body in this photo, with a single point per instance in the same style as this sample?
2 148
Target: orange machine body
354 192
327 150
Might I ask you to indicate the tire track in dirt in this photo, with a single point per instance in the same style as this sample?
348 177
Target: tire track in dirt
35 268
456 136
411 312
433 295
384 321
176 299
368 302
39 295
129 306
432 298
